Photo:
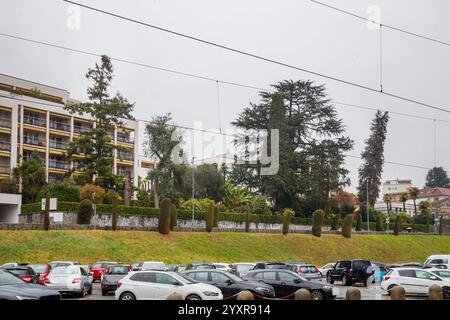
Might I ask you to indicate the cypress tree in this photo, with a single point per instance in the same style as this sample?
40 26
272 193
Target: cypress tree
164 216
317 223
358 222
398 225
173 216
347 226
47 213
114 212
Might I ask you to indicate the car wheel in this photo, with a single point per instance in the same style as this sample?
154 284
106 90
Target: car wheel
366 282
329 280
127 296
193 297
316 295
346 281
83 292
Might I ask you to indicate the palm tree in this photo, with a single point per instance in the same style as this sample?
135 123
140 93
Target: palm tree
387 198
403 198
236 197
413 194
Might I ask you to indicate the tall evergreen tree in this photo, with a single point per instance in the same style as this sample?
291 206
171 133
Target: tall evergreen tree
108 113
437 178
373 159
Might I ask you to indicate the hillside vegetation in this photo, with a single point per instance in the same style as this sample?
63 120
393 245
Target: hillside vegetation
182 247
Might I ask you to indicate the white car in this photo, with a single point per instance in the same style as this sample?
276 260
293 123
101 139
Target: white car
223 266
70 279
438 259
154 265
443 273
158 285
324 269
415 281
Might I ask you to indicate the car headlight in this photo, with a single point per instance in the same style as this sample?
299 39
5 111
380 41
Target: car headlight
327 287
262 289
210 293
26 298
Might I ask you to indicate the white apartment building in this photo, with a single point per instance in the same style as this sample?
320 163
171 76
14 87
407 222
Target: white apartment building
396 188
32 119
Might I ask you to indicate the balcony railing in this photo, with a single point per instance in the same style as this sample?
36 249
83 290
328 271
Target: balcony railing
4 169
80 129
35 121
34 141
125 156
56 164
124 139
5 146
5 123
57 125
58 145
123 172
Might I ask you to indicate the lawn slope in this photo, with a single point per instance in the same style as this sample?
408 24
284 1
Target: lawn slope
182 247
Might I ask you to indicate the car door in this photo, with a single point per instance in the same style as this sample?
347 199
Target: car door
224 283
143 285
165 285
85 279
287 286
336 271
270 277
424 280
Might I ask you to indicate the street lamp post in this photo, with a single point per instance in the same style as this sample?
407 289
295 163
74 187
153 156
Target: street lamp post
193 193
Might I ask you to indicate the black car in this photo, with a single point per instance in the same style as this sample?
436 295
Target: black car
270 265
200 266
25 273
13 288
350 272
230 284
286 283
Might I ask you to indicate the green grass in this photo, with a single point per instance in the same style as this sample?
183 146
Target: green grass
182 247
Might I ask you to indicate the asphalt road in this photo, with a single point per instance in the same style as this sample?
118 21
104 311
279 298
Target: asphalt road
372 292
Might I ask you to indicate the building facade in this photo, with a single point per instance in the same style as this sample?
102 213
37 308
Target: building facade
395 188
32 119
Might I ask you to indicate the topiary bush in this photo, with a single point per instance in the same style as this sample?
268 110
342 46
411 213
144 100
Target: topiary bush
287 216
318 216
379 226
247 222
216 217
65 190
398 225
47 213
259 205
164 216
210 218
358 222
85 212
347 226
114 213
173 216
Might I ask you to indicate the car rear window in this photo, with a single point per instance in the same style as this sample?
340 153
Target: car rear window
439 261
270 275
118 270
360 265
39 268
144 277
307 269
20 272
407 273
243 267
7 278
276 266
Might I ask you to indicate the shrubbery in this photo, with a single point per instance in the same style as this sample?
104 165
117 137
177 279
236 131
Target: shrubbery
173 216
287 216
210 218
85 212
164 216
8 186
318 222
65 190
92 192
347 226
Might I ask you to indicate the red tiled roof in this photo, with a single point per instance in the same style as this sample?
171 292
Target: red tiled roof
434 192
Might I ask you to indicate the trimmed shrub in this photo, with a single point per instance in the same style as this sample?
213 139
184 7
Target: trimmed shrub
287 216
85 212
259 205
398 225
47 214
318 216
173 216
66 191
92 192
164 216
358 222
216 217
143 198
210 218
379 226
347 226
441 226
247 222
114 213
8 186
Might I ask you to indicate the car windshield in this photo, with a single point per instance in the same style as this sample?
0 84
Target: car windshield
7 278
204 266
276 266
234 277
184 278
20 272
442 273
39 268
65 270
118 270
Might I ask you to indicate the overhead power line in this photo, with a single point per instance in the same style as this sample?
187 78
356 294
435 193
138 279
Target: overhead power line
414 34
238 51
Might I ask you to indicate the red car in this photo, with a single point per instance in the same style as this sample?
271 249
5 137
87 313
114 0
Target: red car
99 268
42 270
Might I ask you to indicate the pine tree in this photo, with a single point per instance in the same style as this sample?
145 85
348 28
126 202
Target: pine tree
373 159
437 178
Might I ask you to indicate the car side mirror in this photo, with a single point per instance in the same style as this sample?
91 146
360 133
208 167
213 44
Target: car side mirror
296 280
228 282
434 278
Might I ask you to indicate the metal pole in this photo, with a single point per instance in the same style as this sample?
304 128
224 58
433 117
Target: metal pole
193 192
367 205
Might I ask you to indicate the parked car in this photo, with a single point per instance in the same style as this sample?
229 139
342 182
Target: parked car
55 264
379 271
222 266
154 265
25 273
89 272
137 266
438 259
324 269
350 272
415 281
42 270
270 265
13 264
176 267
241 268
70 279
14 288
158 285
412 264
112 276
200 265
99 268
443 273
286 283
307 271
230 284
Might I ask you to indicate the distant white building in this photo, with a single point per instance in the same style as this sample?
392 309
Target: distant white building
395 188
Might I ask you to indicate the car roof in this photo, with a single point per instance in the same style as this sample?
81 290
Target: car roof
17 268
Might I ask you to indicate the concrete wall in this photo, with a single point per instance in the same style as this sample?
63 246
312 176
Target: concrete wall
10 207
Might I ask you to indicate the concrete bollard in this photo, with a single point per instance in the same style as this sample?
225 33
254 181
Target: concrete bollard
435 293
302 294
174 296
353 294
245 295
397 293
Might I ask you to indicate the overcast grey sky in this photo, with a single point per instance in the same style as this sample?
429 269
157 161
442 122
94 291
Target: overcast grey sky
296 31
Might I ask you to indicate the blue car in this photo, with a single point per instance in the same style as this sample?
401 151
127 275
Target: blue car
379 271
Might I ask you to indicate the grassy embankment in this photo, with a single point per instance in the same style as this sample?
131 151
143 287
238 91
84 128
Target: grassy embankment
182 247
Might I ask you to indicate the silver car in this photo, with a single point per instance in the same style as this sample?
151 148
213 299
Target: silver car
70 279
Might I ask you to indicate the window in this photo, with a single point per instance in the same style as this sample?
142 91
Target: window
361 265
201 276
258 276
144 277
445 274
439 261
163 278
270 275
407 273
83 271
219 278
420 274
286 277
118 270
